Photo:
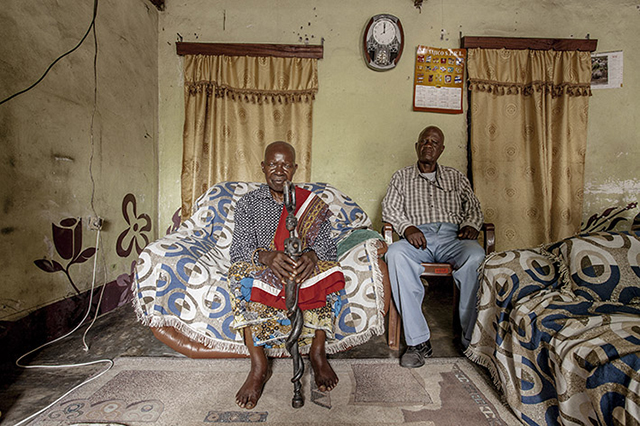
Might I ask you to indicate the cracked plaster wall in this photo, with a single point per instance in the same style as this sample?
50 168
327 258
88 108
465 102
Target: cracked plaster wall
46 138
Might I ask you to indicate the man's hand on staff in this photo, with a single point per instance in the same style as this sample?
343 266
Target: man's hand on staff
306 264
285 267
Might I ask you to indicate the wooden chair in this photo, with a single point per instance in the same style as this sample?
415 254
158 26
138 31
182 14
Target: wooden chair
432 270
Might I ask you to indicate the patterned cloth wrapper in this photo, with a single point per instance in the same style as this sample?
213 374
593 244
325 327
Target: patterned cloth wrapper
181 279
270 326
261 284
559 358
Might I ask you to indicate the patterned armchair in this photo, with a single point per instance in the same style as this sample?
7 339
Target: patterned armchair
180 287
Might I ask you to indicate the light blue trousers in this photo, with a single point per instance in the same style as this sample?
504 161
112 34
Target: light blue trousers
443 246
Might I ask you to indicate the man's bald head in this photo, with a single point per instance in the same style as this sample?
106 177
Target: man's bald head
280 146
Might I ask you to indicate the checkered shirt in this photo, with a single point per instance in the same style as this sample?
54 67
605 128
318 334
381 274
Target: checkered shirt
414 200
256 219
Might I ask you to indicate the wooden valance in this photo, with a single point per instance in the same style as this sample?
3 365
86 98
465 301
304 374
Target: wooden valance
243 49
519 43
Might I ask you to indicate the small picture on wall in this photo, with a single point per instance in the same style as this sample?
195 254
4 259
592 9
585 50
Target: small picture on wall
606 70
600 70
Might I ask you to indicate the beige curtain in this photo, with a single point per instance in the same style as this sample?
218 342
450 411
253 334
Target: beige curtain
234 107
528 134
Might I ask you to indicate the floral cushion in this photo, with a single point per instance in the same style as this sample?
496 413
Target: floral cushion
602 266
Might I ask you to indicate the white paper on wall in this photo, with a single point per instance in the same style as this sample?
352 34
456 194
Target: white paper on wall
606 70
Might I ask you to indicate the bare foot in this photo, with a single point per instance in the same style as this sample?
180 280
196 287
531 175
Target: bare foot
326 379
250 392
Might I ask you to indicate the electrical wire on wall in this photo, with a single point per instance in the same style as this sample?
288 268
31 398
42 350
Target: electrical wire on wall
91 26
95 104
109 362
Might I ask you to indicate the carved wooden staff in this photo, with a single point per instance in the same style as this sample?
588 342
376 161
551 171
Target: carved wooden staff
292 247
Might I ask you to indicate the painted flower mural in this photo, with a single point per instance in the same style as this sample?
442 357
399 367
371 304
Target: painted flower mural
607 220
124 283
175 221
136 233
67 238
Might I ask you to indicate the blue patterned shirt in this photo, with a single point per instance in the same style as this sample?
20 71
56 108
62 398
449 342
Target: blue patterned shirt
256 219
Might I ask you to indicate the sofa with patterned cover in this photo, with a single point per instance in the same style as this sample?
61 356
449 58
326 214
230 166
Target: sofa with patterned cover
559 329
181 292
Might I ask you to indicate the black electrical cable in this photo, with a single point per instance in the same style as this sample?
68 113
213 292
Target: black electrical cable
95 107
93 20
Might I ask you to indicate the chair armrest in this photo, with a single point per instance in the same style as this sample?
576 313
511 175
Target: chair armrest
489 237
179 244
487 228
387 232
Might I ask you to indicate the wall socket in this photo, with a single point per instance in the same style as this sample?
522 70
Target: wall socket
95 223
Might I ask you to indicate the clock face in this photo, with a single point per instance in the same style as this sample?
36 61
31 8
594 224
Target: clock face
383 42
384 31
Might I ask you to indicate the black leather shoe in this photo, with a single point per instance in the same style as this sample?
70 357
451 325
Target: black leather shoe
415 355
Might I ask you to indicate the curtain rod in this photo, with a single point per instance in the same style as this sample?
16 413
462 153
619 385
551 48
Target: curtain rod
518 43
247 49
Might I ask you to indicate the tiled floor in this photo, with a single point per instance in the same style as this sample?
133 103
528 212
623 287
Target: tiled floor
25 391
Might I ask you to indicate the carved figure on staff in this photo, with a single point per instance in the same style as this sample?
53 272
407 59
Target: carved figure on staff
261 269
293 249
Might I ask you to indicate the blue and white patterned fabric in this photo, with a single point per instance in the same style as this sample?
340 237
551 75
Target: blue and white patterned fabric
181 281
602 266
563 354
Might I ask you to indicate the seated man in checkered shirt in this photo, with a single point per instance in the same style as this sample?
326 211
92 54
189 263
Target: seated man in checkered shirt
436 212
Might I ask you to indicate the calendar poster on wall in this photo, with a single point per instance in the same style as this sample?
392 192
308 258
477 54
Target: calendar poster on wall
439 80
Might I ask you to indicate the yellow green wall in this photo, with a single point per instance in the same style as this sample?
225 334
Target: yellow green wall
364 126
46 141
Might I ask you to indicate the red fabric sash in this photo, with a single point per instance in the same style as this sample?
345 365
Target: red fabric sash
281 232
327 278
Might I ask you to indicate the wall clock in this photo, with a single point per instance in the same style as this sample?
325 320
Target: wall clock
383 42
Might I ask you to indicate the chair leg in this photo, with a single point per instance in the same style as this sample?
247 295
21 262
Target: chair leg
394 327
457 328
